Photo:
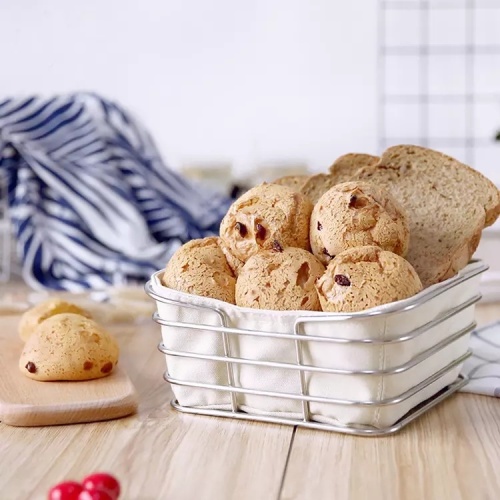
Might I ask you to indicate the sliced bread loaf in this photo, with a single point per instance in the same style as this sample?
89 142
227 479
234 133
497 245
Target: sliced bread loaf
344 166
293 181
317 185
343 170
448 204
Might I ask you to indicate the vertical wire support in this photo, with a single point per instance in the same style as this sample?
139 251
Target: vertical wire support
229 366
306 414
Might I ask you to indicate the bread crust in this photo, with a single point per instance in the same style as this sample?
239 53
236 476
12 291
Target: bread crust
421 180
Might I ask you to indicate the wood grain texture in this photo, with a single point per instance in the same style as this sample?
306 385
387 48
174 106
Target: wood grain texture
156 453
451 453
25 402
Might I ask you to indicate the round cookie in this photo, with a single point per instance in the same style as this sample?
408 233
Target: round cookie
366 277
263 215
69 347
280 279
200 267
355 214
44 310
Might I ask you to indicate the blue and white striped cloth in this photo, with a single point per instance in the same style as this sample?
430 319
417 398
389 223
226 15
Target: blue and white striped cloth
90 199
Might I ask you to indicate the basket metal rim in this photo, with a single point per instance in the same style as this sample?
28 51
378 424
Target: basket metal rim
444 316
387 309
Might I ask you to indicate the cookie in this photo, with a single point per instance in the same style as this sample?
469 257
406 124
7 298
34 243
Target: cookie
280 279
366 277
44 310
71 347
264 215
355 214
200 267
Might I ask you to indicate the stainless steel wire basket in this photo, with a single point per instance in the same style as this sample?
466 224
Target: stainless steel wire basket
368 373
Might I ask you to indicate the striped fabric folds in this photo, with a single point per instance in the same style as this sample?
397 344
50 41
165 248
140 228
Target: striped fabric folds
90 200
483 367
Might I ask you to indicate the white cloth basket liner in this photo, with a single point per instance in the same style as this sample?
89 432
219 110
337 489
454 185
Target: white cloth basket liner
384 323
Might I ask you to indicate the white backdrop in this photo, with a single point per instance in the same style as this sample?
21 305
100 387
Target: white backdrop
245 82
248 82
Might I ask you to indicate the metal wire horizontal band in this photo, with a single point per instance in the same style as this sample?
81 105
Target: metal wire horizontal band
315 338
319 399
308 368
416 301
345 429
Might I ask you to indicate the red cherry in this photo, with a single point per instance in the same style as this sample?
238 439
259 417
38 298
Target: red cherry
95 495
69 490
102 482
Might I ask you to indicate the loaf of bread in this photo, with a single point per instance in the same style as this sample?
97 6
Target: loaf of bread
342 170
292 181
317 185
347 165
447 202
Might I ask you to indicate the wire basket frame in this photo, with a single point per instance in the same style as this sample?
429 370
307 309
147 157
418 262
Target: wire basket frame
299 338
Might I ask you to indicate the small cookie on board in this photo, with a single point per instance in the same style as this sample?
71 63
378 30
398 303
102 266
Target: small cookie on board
69 347
44 310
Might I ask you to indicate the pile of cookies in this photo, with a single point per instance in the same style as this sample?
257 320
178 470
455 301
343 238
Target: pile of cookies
391 227
63 342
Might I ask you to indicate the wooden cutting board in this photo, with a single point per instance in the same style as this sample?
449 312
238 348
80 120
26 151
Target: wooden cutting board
28 403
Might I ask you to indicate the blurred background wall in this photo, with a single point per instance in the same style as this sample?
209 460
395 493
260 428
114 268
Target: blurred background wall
219 80
265 81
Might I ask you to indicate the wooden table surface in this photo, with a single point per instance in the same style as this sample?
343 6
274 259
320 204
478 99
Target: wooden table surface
453 452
